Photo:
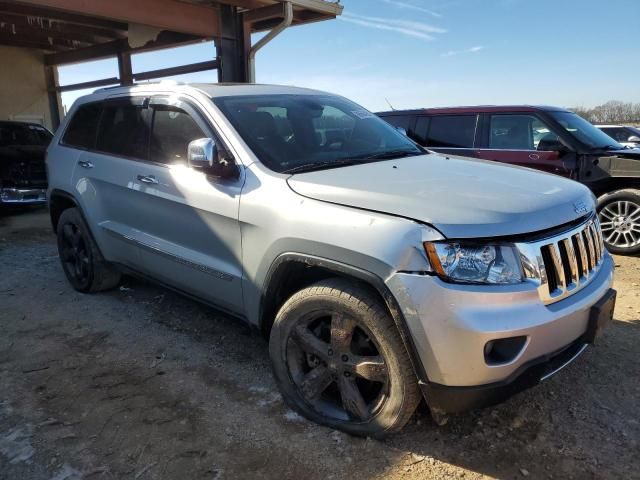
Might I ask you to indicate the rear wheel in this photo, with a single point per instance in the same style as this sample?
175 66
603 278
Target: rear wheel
619 214
339 360
82 262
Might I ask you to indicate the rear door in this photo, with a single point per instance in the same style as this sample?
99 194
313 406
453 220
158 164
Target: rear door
188 221
112 139
524 139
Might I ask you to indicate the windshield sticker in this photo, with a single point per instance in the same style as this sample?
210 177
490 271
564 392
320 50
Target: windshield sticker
362 114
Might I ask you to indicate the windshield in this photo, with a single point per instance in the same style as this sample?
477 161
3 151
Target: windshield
584 131
24 135
304 132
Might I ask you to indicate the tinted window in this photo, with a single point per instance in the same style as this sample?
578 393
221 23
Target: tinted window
83 127
422 127
173 129
452 131
400 121
124 130
619 134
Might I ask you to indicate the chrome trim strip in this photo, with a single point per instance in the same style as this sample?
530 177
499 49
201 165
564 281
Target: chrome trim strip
15 196
573 261
183 261
576 355
583 255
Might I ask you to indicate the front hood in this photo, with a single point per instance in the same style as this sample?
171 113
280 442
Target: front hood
461 197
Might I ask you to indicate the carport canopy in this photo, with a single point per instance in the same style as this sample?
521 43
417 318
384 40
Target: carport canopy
74 31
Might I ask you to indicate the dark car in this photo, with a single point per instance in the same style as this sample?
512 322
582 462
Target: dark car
545 138
23 176
624 134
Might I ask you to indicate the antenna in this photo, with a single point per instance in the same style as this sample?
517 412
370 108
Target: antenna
389 103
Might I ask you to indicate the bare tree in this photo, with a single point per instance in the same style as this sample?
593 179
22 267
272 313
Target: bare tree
614 111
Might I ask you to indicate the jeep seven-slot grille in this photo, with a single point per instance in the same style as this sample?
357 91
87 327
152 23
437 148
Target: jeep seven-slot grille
571 261
564 263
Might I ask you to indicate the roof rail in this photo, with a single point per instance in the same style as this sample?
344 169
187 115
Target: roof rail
148 82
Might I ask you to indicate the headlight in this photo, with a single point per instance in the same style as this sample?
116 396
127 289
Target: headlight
457 262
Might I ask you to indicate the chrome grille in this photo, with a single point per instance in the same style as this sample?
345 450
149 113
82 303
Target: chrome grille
564 264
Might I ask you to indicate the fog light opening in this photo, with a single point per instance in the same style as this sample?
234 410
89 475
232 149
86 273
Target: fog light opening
503 350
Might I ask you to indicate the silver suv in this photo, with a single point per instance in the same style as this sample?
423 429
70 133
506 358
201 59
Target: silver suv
380 272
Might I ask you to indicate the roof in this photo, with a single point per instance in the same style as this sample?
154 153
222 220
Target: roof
212 90
477 109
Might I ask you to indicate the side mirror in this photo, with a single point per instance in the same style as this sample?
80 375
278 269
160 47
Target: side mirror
634 139
203 154
551 143
403 131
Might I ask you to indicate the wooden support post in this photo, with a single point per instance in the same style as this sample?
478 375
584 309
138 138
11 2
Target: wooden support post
55 106
124 68
230 46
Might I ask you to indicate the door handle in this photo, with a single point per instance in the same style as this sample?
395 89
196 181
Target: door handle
85 164
149 179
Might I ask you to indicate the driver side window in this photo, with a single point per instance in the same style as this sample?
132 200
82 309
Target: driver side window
520 132
171 132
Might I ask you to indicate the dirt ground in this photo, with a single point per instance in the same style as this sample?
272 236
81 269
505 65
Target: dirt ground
140 383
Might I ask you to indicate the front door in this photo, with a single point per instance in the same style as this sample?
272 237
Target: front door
190 235
524 139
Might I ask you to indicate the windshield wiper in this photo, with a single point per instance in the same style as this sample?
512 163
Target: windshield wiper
391 154
310 167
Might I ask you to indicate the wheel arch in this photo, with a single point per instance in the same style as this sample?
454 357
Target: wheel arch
291 272
59 201
615 184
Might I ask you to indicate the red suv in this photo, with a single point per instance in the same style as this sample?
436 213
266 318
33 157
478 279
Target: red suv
545 138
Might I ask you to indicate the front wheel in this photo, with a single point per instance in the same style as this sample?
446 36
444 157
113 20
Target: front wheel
619 214
339 360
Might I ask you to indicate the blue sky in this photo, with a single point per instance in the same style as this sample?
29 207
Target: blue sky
418 53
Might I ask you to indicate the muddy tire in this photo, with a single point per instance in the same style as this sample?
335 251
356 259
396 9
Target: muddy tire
619 214
339 360
82 262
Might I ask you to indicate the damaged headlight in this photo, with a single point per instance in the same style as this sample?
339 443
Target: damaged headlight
474 263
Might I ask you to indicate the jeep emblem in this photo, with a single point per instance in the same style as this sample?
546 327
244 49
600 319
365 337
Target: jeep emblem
579 207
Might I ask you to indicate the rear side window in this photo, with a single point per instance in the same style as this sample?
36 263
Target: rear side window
173 129
399 121
124 130
83 127
422 127
452 131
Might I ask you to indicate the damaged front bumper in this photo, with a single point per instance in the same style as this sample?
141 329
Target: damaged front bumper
23 196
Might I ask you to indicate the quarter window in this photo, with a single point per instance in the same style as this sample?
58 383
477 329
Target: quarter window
83 127
452 131
173 129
